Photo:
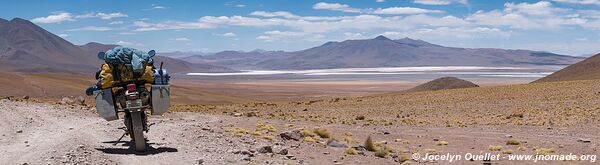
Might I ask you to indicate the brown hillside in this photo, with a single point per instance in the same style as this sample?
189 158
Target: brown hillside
443 83
587 69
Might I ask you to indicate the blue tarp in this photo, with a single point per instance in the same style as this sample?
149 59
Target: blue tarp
124 55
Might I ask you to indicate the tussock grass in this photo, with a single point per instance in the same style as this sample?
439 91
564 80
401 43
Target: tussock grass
369 145
351 151
309 139
513 142
348 133
507 151
442 143
322 132
382 153
403 158
544 151
495 148
260 126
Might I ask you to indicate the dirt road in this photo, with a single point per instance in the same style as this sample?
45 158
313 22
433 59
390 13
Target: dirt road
40 133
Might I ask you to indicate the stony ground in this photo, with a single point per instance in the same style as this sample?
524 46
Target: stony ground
42 133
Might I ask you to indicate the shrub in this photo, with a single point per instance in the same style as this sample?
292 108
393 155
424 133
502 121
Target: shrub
351 151
262 126
508 151
381 153
442 143
322 132
544 151
403 158
361 117
513 142
495 148
369 145
348 133
309 139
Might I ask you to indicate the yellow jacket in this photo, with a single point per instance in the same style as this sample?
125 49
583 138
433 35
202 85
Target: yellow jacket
106 78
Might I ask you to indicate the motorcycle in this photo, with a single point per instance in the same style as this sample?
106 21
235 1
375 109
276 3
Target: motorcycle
135 101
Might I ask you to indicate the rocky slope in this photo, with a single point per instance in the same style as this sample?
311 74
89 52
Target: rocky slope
588 69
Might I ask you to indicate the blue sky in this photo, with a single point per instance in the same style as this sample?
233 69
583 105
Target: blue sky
562 26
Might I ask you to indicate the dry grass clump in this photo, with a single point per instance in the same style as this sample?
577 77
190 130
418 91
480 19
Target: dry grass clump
348 140
260 126
351 151
307 133
348 133
382 153
513 142
544 151
360 117
442 143
369 145
507 151
495 148
403 158
322 132
309 139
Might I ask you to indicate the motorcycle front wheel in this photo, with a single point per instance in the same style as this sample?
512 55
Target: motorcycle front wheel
137 125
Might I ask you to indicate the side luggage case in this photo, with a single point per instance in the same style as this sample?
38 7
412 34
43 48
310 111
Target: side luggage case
105 105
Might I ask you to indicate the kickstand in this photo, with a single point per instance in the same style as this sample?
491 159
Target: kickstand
118 141
148 127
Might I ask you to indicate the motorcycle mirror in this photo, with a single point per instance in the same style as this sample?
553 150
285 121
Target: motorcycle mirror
102 56
151 53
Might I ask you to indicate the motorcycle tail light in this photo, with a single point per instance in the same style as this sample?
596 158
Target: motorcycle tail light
131 88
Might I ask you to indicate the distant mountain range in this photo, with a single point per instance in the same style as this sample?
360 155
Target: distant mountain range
26 47
381 52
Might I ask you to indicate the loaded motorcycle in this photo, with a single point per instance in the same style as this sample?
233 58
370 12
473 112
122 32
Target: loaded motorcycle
135 100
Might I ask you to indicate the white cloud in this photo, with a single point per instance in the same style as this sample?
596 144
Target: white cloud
440 2
354 36
271 36
335 7
229 34
283 14
155 7
540 15
63 35
116 23
580 2
94 28
404 10
380 1
102 15
126 43
127 33
54 18
240 5
170 25
181 39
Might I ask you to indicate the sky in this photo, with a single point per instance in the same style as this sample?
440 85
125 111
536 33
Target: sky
568 27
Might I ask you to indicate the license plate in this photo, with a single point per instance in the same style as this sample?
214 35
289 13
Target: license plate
131 104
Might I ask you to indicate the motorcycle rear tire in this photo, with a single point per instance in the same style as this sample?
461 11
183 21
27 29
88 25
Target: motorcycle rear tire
138 131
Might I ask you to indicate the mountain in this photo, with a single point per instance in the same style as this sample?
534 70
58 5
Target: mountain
587 69
237 59
384 52
443 83
381 52
26 47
